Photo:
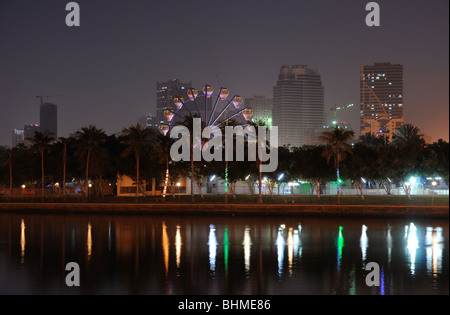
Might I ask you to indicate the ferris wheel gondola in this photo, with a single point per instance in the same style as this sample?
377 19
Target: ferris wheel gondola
223 111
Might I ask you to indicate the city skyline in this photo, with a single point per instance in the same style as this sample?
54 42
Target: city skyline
105 70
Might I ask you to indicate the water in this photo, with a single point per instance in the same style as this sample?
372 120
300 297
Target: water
221 255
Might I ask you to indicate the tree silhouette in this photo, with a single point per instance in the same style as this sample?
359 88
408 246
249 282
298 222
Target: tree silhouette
188 122
337 147
41 143
89 139
138 141
408 135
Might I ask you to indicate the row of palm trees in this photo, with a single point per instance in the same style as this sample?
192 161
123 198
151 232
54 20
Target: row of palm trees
406 154
142 153
89 145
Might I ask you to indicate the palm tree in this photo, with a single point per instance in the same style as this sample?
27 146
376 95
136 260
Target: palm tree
64 141
163 154
138 140
337 141
370 139
10 166
407 135
40 143
409 144
188 122
89 139
256 124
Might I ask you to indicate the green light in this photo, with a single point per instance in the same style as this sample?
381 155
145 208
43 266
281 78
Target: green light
226 180
340 245
334 122
225 248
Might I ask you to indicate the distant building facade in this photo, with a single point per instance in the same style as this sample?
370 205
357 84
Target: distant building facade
17 137
165 94
261 107
30 130
49 119
381 99
149 121
298 105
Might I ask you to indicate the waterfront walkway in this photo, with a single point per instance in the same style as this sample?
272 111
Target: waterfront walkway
230 209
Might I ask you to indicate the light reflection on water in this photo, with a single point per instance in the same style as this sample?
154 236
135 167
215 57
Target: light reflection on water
221 255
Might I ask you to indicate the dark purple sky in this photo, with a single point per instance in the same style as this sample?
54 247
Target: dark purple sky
107 69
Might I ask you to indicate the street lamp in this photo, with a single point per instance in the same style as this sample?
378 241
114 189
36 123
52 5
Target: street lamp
434 184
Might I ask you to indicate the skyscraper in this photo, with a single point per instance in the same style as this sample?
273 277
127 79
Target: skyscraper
49 119
166 92
381 99
298 105
262 108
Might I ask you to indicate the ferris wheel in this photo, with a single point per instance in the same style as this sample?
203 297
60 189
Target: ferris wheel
224 109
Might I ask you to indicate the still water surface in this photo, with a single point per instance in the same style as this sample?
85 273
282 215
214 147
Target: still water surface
221 255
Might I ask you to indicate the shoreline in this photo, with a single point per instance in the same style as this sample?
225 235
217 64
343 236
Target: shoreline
402 211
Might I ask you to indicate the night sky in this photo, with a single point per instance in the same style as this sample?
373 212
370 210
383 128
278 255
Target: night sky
106 69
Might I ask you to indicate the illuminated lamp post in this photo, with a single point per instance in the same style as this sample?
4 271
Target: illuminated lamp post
434 184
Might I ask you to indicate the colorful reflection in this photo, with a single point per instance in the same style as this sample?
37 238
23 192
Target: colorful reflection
247 243
89 241
340 246
352 281
290 245
22 241
226 246
280 243
434 248
297 242
412 244
249 246
382 282
389 244
363 243
293 244
212 243
178 246
165 245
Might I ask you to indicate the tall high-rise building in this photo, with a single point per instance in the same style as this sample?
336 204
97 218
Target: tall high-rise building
165 94
30 130
298 105
381 99
261 107
49 119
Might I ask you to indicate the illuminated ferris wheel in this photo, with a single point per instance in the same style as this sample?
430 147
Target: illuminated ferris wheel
224 109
